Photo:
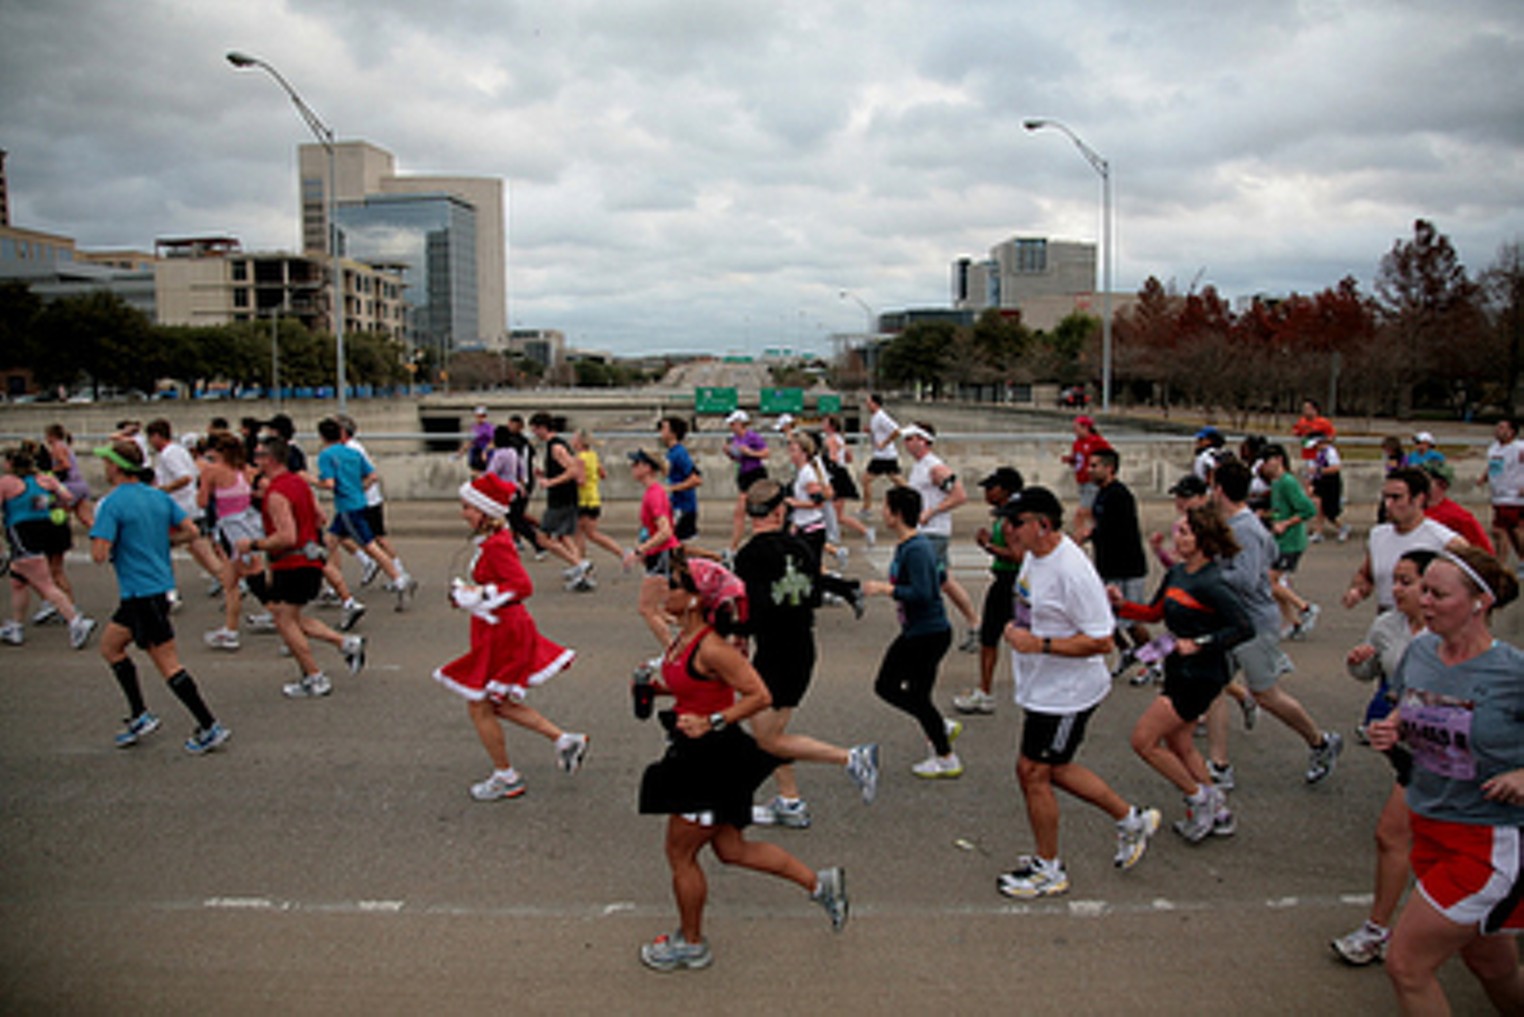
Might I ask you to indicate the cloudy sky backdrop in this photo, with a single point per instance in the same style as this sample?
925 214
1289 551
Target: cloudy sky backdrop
711 174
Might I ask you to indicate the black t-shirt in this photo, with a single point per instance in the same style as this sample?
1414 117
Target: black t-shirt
1117 540
558 495
778 569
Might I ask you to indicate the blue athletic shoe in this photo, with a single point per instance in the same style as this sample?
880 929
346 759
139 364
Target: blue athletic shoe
138 728
205 739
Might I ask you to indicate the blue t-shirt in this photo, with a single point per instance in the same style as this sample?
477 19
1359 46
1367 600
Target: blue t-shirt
680 467
137 520
348 470
917 580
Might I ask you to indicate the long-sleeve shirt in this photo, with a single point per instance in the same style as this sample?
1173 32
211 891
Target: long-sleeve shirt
1199 606
918 587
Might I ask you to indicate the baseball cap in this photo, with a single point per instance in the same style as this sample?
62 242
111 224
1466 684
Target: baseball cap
1425 437
783 421
480 411
640 455
738 417
1441 471
1035 501
1007 478
1189 486
1208 432
1085 420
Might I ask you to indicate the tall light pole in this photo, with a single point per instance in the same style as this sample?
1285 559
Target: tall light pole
324 135
1102 167
868 352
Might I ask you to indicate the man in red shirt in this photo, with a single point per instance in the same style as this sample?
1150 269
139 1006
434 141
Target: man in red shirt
1448 512
1087 441
1310 423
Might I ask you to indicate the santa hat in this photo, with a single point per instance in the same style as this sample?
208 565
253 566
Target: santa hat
489 493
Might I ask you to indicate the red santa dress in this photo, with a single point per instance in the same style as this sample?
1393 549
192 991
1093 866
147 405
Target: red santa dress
508 656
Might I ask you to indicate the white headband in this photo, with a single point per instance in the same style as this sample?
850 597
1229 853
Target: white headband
1460 563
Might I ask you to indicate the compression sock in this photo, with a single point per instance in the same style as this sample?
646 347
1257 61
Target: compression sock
184 688
126 673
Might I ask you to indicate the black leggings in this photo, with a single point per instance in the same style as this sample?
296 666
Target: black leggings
906 676
842 587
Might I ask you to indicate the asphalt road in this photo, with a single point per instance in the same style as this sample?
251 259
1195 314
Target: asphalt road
330 860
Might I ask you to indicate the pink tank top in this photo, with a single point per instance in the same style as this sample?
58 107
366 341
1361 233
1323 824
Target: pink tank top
235 498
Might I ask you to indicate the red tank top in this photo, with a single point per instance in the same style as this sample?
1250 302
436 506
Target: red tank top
694 694
304 510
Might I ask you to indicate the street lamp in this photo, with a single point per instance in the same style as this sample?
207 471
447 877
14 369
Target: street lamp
324 135
868 351
1102 167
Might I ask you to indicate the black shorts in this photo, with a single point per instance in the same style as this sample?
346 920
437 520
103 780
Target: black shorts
883 467
1053 738
684 525
375 515
1329 492
786 663
1286 561
842 484
287 586
717 773
589 511
1191 697
558 520
40 537
147 618
999 608
750 477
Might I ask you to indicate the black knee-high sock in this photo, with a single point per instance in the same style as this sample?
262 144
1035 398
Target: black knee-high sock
184 688
127 677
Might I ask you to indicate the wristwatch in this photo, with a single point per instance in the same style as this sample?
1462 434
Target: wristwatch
1047 644
716 722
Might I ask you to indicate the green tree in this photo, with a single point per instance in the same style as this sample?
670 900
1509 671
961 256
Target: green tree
95 336
1503 286
919 356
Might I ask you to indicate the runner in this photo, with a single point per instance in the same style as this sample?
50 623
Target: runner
748 450
508 655
1117 541
837 457
1087 441
223 493
808 517
941 491
176 474
1059 637
292 543
883 457
1450 513
654 544
134 526
1290 511
909 667
29 500
1000 596
560 477
705 781
683 477
778 569
347 474
1504 478
1405 494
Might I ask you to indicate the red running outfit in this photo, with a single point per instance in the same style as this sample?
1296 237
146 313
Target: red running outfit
508 656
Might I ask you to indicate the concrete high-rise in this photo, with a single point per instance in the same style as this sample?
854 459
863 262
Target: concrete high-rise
362 172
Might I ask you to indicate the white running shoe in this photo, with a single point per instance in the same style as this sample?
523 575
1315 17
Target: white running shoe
975 701
11 633
571 750
353 649
46 613
264 621
1133 833
79 631
222 639
1363 946
934 767
312 686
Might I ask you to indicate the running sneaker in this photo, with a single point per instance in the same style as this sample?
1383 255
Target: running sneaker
571 750
668 953
1224 824
138 728
1223 778
1133 832
870 536
46 613
175 603
222 639
583 583
1249 707
498 786
934 767
1200 816
1365 945
353 612
858 601
843 554
406 587
970 642
1039 879
974 701
327 597
1315 537
831 894
1322 757
369 568
312 686
264 621
1308 619
794 814
12 633
954 729
1153 674
1126 662
1344 533
353 649
207 739
862 767
79 631
214 588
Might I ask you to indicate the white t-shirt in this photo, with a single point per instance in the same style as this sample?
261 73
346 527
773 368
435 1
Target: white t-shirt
373 495
1064 596
806 518
880 426
1387 545
1505 472
932 495
169 466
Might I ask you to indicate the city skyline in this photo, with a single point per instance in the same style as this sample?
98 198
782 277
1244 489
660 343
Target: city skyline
686 176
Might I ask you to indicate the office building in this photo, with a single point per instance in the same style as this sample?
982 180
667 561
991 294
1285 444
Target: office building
1044 279
365 173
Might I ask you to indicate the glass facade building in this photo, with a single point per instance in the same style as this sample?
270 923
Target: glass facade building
432 238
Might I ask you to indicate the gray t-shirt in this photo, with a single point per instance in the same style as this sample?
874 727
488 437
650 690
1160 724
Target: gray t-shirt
1247 573
1464 725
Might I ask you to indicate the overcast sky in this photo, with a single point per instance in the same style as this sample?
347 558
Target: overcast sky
710 174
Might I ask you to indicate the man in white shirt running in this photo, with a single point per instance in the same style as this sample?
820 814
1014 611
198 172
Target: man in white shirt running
883 458
1059 640
1505 477
1405 494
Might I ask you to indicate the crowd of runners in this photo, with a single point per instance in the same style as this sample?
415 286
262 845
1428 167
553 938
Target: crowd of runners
732 615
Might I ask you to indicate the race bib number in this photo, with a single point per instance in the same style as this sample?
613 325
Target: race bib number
1438 731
